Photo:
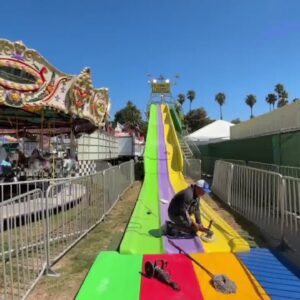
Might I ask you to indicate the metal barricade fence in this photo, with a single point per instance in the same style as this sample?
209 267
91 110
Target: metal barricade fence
37 228
192 168
268 199
289 171
291 229
258 195
9 190
283 170
22 256
73 208
222 180
263 166
116 180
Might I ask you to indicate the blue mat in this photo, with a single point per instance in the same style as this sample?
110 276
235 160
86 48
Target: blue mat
280 279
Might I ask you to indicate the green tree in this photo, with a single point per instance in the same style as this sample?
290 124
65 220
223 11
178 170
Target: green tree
250 101
282 95
271 99
181 98
220 99
130 115
143 128
191 95
283 99
195 119
236 121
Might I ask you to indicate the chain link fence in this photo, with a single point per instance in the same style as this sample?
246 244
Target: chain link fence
38 227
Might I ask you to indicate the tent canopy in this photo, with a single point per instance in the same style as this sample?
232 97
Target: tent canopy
218 130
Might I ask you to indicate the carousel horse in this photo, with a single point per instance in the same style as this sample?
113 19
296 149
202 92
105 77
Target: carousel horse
38 164
70 165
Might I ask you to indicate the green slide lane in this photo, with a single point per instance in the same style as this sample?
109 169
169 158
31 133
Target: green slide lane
176 120
145 217
113 276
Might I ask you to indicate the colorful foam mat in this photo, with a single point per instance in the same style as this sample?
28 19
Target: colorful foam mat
258 274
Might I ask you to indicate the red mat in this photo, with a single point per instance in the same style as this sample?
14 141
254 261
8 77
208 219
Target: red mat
181 271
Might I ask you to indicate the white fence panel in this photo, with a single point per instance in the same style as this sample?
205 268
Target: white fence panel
22 254
222 180
258 195
268 199
292 212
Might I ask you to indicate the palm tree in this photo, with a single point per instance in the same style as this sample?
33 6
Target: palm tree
220 98
250 101
177 107
282 95
271 99
279 88
283 99
181 98
191 95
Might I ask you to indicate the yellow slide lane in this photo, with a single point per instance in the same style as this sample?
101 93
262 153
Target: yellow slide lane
227 264
226 239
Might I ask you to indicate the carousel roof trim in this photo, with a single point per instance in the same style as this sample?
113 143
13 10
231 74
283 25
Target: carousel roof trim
30 53
29 82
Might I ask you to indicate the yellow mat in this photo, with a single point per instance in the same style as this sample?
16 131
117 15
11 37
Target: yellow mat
226 238
227 264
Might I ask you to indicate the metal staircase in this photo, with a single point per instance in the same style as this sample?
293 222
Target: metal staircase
187 153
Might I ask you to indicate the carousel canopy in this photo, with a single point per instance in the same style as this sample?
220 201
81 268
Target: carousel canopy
34 94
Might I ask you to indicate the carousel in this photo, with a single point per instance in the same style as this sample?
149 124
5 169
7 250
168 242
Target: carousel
39 103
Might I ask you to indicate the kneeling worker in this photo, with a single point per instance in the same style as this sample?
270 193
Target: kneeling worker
182 206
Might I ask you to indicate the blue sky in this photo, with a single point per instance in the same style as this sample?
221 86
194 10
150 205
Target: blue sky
234 46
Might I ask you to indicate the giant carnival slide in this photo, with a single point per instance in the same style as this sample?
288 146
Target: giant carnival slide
163 178
119 275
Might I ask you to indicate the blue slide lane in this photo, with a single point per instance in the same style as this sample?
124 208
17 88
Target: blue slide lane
279 279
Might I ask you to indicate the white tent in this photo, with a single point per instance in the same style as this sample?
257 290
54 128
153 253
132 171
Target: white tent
216 131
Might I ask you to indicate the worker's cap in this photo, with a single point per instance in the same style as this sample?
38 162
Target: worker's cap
200 183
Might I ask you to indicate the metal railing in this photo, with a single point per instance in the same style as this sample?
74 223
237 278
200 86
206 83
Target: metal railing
258 195
289 171
263 166
291 228
22 244
268 199
221 184
194 148
192 168
9 190
38 227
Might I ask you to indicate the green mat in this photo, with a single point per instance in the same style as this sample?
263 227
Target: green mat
144 224
113 277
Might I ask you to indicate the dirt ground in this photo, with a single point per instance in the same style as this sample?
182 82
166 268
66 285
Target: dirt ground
246 229
74 266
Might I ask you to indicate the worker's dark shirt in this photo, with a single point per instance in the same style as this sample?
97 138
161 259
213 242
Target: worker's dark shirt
185 202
